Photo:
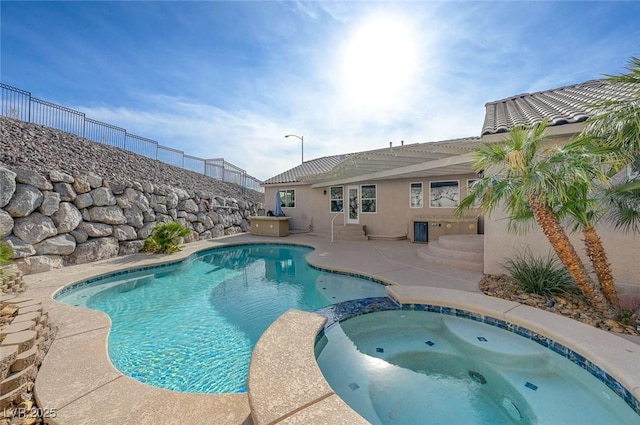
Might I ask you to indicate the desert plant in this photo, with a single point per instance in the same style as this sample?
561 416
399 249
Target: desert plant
539 275
6 254
166 238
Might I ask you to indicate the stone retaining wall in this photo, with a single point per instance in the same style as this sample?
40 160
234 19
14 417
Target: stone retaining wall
56 218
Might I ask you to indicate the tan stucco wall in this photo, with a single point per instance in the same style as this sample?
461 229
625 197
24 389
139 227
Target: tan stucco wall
623 249
393 211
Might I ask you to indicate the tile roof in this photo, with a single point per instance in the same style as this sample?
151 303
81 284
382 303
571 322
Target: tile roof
563 105
396 157
375 160
315 166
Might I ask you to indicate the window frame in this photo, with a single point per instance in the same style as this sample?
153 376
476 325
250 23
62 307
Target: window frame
363 199
331 199
431 193
411 204
293 192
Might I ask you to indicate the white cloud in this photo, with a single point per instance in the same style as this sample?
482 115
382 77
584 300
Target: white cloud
325 72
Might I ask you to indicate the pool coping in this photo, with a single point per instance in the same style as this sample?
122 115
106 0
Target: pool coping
78 380
288 337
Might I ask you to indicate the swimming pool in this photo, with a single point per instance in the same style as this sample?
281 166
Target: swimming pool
403 367
191 326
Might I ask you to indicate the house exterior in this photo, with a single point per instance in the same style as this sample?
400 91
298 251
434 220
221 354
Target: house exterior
395 191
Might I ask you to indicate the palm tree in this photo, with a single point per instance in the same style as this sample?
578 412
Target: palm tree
531 182
609 143
615 124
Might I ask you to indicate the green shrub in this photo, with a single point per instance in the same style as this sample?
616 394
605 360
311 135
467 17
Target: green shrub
166 238
539 275
6 254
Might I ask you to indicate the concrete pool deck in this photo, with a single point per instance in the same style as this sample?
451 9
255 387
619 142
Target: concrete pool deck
78 380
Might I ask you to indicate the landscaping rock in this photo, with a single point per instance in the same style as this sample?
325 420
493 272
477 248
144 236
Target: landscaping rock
96 230
108 215
7 186
21 249
67 218
57 245
103 196
26 199
40 263
83 200
34 228
134 216
50 203
66 191
94 250
80 235
33 178
124 232
130 247
6 224
59 177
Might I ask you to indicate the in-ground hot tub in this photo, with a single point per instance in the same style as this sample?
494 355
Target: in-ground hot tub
431 364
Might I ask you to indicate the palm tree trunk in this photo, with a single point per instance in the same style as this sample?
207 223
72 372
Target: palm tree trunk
561 244
598 257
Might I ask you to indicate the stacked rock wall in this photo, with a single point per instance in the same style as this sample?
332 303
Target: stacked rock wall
55 219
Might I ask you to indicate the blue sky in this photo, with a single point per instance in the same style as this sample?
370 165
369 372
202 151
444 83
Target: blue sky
230 79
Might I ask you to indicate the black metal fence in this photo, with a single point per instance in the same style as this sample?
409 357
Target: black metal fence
19 104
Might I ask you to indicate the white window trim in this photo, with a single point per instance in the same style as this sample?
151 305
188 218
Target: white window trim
331 199
295 201
362 198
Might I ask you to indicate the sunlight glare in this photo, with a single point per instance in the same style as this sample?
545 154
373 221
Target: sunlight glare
379 62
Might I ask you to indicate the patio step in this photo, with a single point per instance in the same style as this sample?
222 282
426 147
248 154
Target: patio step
459 251
350 232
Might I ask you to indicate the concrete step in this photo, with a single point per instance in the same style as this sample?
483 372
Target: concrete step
351 238
443 251
459 251
447 260
473 243
350 232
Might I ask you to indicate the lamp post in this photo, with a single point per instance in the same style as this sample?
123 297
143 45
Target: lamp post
301 140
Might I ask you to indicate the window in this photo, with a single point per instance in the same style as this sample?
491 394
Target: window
368 198
415 194
337 198
470 182
444 194
288 198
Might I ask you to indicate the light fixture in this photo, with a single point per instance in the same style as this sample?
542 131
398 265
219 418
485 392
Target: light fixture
301 140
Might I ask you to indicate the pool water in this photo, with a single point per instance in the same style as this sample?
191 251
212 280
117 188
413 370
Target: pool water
192 326
408 367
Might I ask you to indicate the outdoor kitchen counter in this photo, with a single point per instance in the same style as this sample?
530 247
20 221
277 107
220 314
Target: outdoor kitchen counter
269 226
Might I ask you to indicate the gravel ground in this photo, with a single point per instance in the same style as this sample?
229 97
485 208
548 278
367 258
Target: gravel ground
42 149
569 304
